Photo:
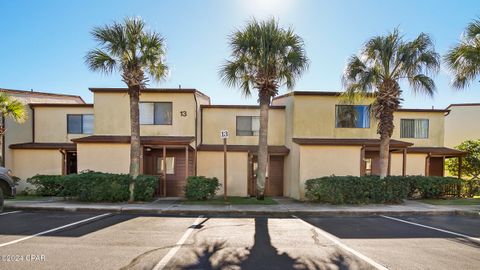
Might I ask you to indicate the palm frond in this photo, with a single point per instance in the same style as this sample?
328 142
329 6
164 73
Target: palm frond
265 57
127 47
10 107
463 59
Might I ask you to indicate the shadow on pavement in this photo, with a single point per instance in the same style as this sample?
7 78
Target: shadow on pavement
263 255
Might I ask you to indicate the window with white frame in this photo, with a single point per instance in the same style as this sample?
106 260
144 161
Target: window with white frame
414 128
248 125
155 113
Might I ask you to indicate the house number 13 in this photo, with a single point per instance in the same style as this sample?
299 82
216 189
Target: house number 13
183 113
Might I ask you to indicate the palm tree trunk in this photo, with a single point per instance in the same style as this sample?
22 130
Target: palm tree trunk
262 145
134 93
384 154
388 100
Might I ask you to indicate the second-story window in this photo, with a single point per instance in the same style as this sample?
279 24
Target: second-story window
80 123
352 116
155 113
414 128
248 125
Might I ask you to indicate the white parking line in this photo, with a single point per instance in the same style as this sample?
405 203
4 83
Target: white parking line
164 261
433 228
7 213
53 230
341 245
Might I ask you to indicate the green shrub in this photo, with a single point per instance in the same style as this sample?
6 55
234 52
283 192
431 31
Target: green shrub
372 189
95 186
47 185
201 187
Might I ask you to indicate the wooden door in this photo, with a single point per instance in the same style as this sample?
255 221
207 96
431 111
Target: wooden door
274 180
174 184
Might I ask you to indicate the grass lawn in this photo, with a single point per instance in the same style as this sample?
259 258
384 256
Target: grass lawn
234 201
462 201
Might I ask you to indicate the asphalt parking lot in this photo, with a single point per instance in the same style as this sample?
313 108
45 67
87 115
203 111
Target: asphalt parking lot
62 240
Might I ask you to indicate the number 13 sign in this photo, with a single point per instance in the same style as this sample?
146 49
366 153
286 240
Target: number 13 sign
224 134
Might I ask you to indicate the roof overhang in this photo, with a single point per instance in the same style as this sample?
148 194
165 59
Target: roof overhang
45 146
437 151
145 140
272 149
369 144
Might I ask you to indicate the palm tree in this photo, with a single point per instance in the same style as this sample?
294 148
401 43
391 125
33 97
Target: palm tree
264 57
464 59
382 63
10 107
133 51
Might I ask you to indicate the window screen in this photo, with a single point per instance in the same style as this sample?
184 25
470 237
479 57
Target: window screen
248 125
158 113
414 128
80 123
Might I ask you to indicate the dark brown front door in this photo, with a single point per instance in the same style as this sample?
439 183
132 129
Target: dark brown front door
274 180
436 166
174 184
71 162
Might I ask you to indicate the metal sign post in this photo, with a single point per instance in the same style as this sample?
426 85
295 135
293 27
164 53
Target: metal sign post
224 137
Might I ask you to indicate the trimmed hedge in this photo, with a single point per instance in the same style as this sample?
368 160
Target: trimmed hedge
372 189
95 186
201 188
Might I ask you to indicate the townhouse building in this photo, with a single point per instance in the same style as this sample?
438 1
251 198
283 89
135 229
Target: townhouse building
311 134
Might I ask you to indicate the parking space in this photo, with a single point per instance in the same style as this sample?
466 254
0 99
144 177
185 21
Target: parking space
399 245
59 240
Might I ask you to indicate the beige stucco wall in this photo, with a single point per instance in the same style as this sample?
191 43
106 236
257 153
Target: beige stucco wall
29 162
314 117
210 164
216 119
103 157
16 133
318 161
435 130
112 114
415 164
396 164
51 123
462 124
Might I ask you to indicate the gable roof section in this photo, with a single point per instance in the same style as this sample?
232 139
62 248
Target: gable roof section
60 105
42 94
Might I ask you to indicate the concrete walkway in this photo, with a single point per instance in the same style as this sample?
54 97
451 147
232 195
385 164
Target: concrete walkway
285 207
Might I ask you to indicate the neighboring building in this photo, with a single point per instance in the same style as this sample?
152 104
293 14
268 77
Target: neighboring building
23 132
311 134
456 131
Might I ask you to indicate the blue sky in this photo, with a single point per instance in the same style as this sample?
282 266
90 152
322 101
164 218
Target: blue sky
43 43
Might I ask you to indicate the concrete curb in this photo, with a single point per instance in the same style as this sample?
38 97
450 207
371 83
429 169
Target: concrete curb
230 212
